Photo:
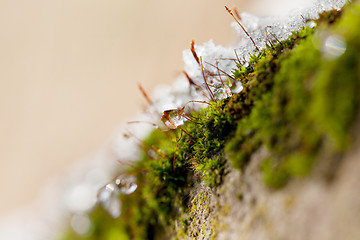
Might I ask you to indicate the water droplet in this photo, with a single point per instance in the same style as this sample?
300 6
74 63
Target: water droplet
311 24
333 46
172 118
108 196
81 224
236 87
126 184
222 93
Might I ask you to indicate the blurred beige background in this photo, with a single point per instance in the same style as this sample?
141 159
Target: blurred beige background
69 71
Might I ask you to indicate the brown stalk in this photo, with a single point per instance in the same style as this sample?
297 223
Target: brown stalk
192 49
237 56
193 101
192 83
206 83
237 13
150 123
230 12
268 32
222 82
221 70
142 144
144 94
131 165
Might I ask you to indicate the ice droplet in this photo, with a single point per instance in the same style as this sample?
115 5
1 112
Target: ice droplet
311 24
126 184
220 91
236 87
333 46
172 118
108 196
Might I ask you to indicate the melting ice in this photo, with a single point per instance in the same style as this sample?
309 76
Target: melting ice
109 195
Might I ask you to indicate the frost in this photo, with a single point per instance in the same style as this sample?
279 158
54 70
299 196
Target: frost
280 27
211 54
172 118
190 89
219 61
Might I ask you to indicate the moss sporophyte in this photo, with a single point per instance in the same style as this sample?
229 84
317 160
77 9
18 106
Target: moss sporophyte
299 99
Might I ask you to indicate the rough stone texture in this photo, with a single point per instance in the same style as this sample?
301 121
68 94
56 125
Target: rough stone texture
312 208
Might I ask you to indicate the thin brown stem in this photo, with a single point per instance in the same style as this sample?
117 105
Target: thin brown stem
206 83
192 49
229 11
186 133
221 70
217 66
237 56
146 96
150 123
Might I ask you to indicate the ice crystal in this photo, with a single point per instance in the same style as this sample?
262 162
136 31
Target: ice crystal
108 195
219 60
126 184
175 97
109 198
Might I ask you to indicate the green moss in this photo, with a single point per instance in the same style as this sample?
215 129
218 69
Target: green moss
310 107
295 102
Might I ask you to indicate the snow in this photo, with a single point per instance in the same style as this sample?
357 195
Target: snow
84 182
260 29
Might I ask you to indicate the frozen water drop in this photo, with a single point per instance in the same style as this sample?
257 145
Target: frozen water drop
333 46
222 92
311 24
172 118
108 196
113 206
126 184
106 192
130 188
236 87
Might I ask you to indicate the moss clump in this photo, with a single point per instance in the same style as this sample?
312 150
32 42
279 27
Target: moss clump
295 101
172 163
310 108
251 106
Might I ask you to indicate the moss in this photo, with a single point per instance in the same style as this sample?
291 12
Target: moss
252 105
329 17
310 107
295 102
